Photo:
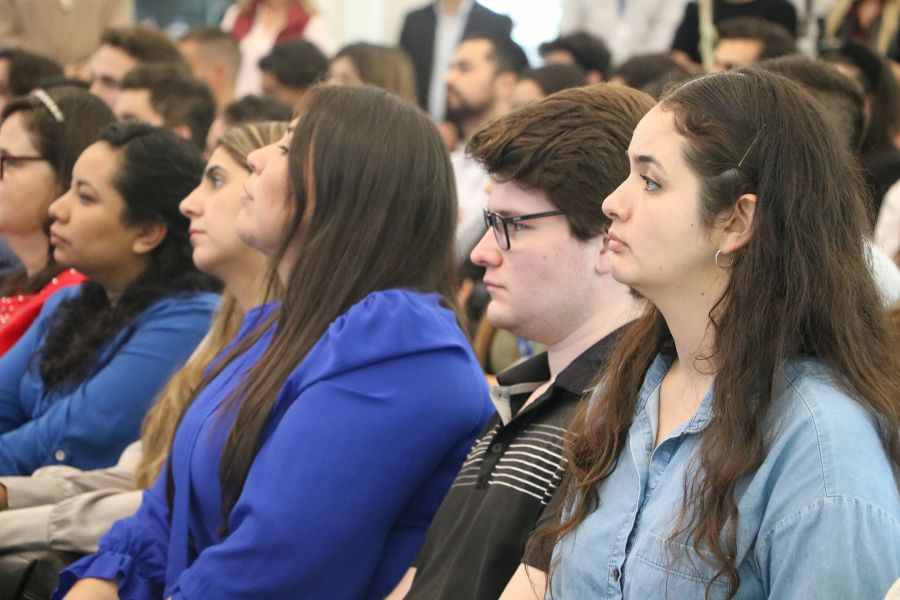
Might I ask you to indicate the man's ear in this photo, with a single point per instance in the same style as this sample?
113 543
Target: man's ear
737 228
150 235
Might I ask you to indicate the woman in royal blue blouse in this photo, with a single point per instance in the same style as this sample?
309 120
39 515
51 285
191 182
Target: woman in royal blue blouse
744 441
313 459
75 387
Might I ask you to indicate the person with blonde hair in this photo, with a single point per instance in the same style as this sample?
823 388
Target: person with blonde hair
65 509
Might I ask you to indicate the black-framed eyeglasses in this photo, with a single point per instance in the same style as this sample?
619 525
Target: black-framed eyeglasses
500 224
5 159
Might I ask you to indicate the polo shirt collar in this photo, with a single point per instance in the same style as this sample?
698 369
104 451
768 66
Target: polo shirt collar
577 378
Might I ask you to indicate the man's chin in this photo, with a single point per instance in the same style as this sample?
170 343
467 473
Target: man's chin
500 319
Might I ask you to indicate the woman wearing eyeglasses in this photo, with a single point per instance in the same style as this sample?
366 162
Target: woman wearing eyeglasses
313 459
41 135
744 440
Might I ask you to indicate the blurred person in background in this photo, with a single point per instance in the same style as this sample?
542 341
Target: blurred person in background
686 44
430 36
21 71
743 41
164 96
642 70
122 49
480 85
260 24
628 27
537 84
214 57
290 69
387 67
878 152
587 51
873 23
844 104
249 109
67 31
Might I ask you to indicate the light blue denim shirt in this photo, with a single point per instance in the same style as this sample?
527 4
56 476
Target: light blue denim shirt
820 518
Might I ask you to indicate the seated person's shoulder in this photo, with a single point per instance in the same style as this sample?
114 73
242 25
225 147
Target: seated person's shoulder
822 442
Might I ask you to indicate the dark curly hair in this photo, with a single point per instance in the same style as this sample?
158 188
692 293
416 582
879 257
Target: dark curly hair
157 170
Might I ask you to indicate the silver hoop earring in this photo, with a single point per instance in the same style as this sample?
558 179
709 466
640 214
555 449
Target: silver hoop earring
718 252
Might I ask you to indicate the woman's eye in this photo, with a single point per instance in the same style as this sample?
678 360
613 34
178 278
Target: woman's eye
84 199
282 148
649 184
518 226
217 182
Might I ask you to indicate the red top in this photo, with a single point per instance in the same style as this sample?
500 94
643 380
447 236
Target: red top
17 312
296 22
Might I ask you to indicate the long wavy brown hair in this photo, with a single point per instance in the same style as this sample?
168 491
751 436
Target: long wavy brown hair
800 287
161 422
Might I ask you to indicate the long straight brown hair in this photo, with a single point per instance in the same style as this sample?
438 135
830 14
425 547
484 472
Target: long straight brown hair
374 208
800 287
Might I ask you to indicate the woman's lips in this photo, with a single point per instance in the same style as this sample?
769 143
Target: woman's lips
615 243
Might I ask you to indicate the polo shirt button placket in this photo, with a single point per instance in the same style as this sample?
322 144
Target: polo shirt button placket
497 448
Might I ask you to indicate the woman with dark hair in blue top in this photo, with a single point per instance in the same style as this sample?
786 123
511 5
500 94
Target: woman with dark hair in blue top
311 462
75 387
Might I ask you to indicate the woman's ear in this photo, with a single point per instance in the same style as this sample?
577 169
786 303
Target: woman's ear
149 236
737 228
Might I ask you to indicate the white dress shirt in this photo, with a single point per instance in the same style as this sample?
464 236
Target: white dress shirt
448 33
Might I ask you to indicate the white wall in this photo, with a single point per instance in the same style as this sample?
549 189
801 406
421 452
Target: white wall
379 21
376 21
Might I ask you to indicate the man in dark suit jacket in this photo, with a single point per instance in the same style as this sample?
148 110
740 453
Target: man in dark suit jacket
420 32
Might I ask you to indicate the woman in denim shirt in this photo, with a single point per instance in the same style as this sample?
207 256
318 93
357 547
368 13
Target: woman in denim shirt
744 440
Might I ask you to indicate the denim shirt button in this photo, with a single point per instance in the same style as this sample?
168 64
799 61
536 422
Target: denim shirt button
616 574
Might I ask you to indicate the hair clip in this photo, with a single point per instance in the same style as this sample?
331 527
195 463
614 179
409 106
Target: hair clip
49 104
750 147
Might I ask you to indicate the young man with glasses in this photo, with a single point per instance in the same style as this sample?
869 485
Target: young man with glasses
547 271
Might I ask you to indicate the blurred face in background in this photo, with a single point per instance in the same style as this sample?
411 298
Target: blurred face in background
342 71
471 80
733 53
28 183
107 68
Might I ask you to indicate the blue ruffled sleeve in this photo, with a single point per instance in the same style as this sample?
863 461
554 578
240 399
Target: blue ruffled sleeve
132 553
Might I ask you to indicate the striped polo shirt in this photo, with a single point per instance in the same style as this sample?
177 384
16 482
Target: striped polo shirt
477 539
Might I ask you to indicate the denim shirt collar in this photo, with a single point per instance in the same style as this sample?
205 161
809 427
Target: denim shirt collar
653 379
